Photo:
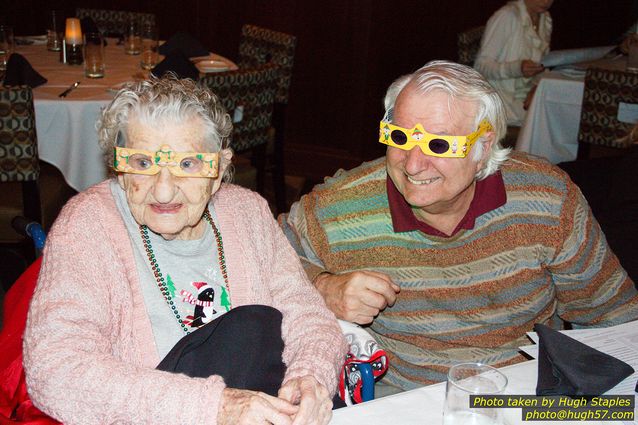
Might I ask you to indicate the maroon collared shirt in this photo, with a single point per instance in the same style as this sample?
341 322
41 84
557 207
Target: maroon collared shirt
489 195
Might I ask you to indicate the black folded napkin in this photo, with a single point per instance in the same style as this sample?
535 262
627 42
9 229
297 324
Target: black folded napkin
21 73
184 42
177 63
569 367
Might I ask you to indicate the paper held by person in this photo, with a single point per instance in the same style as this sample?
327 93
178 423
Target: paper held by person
571 56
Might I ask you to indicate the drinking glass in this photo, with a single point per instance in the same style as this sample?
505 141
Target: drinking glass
55 31
632 58
93 55
467 379
150 46
132 38
6 45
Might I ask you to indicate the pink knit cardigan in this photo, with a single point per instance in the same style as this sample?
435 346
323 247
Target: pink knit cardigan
89 352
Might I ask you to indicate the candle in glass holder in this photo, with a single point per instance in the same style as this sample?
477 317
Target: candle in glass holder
73 41
73 34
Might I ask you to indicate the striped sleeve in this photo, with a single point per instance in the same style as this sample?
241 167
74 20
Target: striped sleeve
592 287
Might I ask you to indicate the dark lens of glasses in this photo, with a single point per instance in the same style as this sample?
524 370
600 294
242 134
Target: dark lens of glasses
398 137
439 146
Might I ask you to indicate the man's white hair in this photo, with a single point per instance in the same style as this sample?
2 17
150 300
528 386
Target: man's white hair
465 83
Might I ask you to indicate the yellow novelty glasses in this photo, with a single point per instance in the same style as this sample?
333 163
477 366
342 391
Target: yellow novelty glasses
430 144
180 164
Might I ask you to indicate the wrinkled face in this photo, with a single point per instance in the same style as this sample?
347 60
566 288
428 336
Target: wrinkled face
170 206
434 185
538 6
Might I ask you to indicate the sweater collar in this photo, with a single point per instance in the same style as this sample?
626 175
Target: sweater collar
489 195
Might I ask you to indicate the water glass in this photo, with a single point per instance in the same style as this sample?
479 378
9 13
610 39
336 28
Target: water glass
632 58
93 55
55 31
150 46
132 38
6 45
467 379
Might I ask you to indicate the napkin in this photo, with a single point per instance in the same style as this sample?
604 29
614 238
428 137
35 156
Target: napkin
184 42
569 367
178 64
193 353
21 73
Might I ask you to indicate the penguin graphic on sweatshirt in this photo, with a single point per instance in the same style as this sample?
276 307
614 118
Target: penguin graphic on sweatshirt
204 310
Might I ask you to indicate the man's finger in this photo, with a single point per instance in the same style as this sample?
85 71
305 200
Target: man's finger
384 289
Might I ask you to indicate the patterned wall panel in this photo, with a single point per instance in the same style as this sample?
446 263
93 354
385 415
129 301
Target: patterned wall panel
114 22
604 90
254 90
258 46
469 43
18 141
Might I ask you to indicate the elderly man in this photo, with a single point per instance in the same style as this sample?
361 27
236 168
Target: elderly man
450 247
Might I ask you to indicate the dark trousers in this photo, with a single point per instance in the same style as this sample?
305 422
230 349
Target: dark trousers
243 346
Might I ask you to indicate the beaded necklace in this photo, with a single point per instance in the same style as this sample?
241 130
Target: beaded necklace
161 283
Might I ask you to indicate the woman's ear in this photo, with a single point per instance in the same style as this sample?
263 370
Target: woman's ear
225 157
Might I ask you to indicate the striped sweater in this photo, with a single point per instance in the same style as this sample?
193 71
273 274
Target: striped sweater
539 258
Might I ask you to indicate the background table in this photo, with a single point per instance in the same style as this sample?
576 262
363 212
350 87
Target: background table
551 125
67 137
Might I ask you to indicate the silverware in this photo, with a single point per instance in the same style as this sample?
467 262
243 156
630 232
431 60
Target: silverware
67 91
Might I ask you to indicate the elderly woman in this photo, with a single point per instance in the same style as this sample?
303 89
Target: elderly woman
516 38
166 262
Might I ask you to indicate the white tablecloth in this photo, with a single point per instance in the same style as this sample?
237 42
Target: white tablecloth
551 125
67 137
425 405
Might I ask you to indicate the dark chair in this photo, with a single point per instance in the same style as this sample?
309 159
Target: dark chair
249 92
469 43
19 160
605 90
114 23
259 46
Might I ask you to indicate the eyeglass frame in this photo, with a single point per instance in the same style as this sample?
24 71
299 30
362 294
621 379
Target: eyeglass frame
463 143
166 157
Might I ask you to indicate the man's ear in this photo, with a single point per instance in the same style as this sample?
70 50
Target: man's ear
489 139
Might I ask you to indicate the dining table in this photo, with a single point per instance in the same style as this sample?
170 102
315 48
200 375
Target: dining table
66 126
425 405
550 128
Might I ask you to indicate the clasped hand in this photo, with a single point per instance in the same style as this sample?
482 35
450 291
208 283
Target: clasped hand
357 296
301 401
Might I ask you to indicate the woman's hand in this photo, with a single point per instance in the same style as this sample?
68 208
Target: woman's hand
252 407
530 68
313 399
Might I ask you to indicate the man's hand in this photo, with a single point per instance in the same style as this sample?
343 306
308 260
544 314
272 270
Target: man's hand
530 68
357 296
253 407
312 398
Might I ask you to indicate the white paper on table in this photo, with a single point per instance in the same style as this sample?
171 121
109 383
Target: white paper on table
570 56
627 113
